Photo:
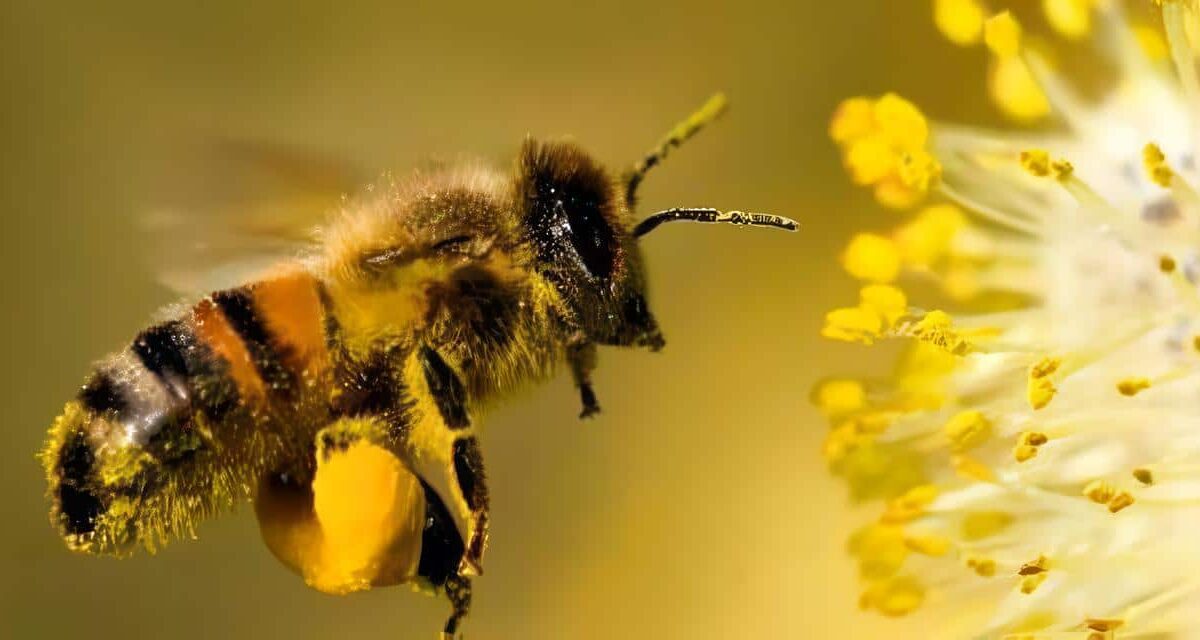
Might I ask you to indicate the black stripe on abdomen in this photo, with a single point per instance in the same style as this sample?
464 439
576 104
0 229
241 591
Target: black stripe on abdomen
102 394
163 351
173 354
238 307
446 388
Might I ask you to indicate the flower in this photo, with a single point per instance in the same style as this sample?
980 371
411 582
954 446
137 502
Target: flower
1036 451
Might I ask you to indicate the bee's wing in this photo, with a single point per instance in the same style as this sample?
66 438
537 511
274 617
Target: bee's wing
228 209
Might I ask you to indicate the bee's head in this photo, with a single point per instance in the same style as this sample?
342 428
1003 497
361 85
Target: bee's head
579 219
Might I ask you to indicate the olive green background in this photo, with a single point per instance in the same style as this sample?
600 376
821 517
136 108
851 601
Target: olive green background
696 506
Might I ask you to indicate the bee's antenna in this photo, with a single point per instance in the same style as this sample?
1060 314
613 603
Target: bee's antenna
713 215
711 110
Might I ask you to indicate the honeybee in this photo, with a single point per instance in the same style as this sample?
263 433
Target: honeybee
342 389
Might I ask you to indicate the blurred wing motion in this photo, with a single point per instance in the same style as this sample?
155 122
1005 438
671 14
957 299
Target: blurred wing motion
230 209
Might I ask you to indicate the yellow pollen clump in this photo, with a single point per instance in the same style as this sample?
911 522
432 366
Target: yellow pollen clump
871 257
1024 452
937 328
1040 565
1120 501
1034 438
888 302
929 235
984 567
910 505
1062 169
839 397
1036 162
919 170
1039 392
1030 583
1027 445
1002 33
1144 476
1099 491
1044 367
1151 42
1015 90
1133 386
933 546
854 118
967 430
879 307
1166 264
961 21
1155 162
883 145
1071 18
1196 343
894 597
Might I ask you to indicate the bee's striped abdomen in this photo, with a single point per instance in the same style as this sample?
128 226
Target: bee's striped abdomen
153 411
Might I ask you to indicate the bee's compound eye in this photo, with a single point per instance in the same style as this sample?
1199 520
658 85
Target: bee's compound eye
592 238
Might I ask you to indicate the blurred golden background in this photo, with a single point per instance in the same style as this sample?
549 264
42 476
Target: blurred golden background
696 506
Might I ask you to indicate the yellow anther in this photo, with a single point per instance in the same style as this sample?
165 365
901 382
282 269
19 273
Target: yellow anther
978 525
1151 42
984 567
961 21
936 328
1039 392
1120 501
1152 155
919 170
1044 367
1196 343
1062 169
1039 565
967 429
901 123
1155 162
894 597
930 234
887 301
853 119
972 469
1036 162
1099 491
852 324
880 550
910 505
1071 18
1016 91
1166 264
1033 438
1024 452
934 546
1002 33
1144 476
839 396
1029 584
871 257
1133 386
870 159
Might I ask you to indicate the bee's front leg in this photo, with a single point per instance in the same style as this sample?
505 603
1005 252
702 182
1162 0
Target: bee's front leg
582 356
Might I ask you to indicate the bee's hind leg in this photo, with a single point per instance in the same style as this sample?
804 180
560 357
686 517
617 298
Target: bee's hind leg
582 357
458 590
